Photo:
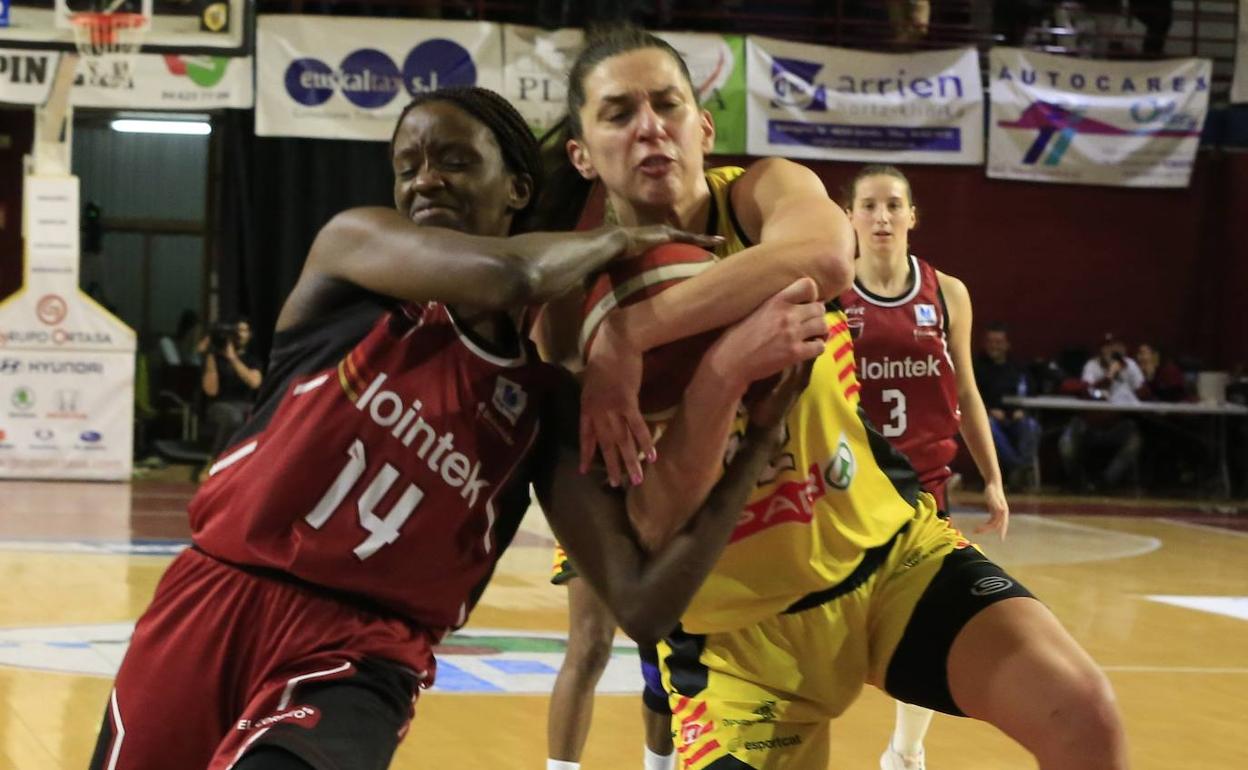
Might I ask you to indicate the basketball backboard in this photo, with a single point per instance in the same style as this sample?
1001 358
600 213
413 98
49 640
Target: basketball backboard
214 27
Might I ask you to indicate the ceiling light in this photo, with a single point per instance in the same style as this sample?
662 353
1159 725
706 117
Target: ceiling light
184 127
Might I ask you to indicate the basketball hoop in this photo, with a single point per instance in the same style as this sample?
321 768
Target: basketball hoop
102 35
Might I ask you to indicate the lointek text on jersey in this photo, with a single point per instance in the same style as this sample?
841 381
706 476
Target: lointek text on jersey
386 408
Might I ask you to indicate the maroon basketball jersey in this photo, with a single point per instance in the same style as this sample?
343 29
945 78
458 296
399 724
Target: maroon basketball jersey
901 351
390 470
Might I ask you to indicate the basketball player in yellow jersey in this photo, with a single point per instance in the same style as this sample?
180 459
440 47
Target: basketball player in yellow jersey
840 572
591 629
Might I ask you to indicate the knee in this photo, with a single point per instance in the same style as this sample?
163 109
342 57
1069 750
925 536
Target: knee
1088 724
589 649
1096 704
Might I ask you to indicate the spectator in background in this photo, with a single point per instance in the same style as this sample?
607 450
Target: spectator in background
1237 438
895 23
1163 379
1012 18
183 347
231 376
1156 15
910 20
1110 376
594 14
1016 436
1168 454
187 337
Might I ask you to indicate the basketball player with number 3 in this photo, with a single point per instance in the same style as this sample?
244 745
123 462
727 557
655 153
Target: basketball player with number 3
911 325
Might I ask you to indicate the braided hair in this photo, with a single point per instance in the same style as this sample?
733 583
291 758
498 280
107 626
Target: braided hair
516 141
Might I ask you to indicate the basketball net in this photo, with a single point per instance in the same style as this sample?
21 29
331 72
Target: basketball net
107 41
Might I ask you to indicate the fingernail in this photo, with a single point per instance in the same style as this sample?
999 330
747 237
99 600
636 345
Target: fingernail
652 455
636 478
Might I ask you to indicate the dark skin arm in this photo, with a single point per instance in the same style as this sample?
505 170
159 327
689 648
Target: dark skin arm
646 592
381 251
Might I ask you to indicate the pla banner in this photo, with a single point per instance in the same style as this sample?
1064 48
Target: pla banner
316 78
1239 84
66 364
537 61
717 65
535 71
809 101
1084 121
172 82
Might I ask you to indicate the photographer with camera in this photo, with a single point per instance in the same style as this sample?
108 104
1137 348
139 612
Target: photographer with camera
1114 377
231 376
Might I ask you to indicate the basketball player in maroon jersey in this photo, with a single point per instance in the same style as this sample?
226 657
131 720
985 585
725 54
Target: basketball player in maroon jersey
912 346
357 518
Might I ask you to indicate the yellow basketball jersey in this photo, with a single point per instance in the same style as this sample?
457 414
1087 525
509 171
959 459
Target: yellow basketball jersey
721 220
837 488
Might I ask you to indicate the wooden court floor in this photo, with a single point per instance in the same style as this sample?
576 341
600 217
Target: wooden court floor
1157 592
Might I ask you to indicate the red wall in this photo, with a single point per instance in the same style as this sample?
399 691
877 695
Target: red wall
1231 278
16 134
1063 264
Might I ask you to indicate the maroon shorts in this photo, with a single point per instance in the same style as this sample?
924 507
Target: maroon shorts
224 660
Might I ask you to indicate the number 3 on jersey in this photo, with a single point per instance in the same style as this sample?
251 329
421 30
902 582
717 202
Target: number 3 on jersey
382 530
896 424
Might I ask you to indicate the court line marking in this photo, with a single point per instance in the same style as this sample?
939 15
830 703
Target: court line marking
143 548
1174 670
1143 544
1210 528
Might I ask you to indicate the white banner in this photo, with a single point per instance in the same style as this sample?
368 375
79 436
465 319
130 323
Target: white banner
65 414
1084 121
180 82
535 73
536 64
66 364
1239 84
810 101
315 78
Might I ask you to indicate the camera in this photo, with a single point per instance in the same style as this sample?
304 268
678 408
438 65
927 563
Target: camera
221 335
1119 357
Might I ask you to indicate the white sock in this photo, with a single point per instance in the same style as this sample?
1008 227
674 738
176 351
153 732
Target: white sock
912 724
659 761
559 764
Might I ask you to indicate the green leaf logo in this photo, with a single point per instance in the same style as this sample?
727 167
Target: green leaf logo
23 398
203 71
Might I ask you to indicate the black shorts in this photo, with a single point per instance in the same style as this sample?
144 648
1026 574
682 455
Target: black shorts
966 583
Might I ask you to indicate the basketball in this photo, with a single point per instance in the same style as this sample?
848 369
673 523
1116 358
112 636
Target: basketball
668 368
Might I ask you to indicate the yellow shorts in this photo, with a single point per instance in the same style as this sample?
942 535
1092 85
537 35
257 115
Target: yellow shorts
561 569
764 694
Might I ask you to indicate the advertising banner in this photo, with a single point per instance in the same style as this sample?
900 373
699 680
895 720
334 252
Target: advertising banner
327 77
1085 121
66 364
810 101
535 71
173 82
717 65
